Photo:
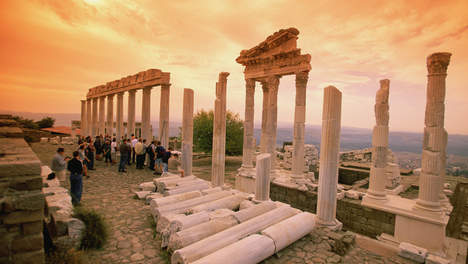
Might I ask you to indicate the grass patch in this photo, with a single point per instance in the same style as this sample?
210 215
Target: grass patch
96 231
152 224
66 256
165 256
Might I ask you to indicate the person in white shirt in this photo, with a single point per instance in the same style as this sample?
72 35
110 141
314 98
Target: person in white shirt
134 141
114 149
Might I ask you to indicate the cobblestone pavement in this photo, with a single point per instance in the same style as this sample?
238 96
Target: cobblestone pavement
131 238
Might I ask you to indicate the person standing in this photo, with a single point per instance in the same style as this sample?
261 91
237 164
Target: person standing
89 152
165 159
83 158
151 155
159 154
114 150
174 165
59 165
107 152
140 154
134 142
98 146
124 155
76 178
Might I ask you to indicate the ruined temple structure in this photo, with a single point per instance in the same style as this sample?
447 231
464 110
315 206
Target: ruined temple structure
266 63
94 120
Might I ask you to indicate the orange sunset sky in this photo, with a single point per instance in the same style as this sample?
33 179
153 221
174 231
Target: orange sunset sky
52 51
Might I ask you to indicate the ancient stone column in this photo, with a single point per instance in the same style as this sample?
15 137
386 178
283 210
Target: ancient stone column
435 136
187 132
264 132
131 113
271 125
377 180
83 128
102 115
89 117
119 124
219 132
299 125
164 115
329 151
95 117
262 181
146 114
248 146
110 115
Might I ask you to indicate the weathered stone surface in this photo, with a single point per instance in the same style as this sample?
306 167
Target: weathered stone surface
196 186
262 181
230 202
219 132
412 252
142 194
27 243
147 186
187 132
159 202
19 217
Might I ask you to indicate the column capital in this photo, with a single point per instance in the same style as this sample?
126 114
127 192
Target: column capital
166 85
110 96
132 91
437 63
303 75
273 80
83 101
147 88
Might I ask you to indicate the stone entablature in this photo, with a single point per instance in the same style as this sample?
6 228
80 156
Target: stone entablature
148 78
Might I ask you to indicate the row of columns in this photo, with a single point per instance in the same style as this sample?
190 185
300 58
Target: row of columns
94 122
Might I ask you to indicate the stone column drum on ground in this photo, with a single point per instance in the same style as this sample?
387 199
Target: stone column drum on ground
131 113
273 85
95 118
146 114
219 132
164 116
299 125
329 151
187 132
435 136
248 147
84 117
119 124
102 115
262 181
377 180
110 115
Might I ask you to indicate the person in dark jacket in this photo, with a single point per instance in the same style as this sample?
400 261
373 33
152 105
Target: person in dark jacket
125 151
89 152
76 178
165 159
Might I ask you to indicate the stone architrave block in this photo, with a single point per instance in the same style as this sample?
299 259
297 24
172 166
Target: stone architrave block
410 251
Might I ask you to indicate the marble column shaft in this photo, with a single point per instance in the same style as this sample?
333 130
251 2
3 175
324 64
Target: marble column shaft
262 181
89 117
273 85
264 132
95 117
435 136
119 120
329 152
102 115
377 180
219 132
84 117
131 113
146 114
187 132
248 146
110 115
164 115
299 125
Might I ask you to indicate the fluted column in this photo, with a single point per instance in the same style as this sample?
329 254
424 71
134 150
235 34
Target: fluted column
110 115
299 125
164 115
247 153
219 132
102 115
329 151
131 113
95 117
89 117
264 132
119 124
377 178
435 136
262 180
83 129
187 132
273 85
146 114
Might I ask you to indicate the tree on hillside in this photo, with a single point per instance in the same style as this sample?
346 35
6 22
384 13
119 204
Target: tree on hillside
203 132
46 122
25 123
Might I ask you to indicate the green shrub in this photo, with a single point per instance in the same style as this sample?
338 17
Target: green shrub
95 234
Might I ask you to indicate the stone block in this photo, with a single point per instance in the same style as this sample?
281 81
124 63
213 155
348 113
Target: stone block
32 228
27 243
434 259
147 186
29 201
26 183
34 257
410 251
11 132
20 217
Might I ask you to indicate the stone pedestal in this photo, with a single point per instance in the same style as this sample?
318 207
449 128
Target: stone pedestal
299 125
219 132
84 117
249 147
164 116
187 132
146 114
119 123
263 166
131 113
102 115
329 151
110 115
89 118
94 129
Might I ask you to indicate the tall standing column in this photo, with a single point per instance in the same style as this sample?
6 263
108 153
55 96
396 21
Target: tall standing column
89 117
247 153
379 143
119 124
187 132
146 114
110 115
299 125
264 132
273 85
164 115
435 136
95 117
219 132
329 151
131 113
83 129
102 115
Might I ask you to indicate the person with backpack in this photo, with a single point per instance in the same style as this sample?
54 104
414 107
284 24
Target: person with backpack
151 155
140 153
75 167
165 159
160 150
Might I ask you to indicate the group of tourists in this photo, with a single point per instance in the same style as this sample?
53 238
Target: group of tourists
131 151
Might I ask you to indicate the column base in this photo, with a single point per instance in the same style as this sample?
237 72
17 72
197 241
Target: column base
375 195
334 225
429 206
